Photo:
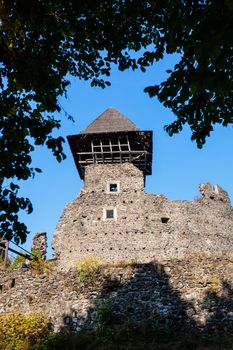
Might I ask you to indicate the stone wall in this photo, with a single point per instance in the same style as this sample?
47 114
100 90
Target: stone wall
182 273
194 292
146 227
39 245
82 229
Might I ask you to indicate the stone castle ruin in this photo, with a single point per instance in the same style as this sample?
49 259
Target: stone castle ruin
114 219
182 267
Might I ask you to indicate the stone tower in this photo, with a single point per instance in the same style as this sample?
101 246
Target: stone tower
114 219
113 158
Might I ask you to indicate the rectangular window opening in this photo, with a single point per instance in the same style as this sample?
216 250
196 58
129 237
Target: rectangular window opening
109 214
113 187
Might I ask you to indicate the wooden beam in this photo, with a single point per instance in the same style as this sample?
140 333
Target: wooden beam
26 256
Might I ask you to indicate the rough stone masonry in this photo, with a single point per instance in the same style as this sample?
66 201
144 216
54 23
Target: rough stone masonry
142 226
182 270
193 293
114 219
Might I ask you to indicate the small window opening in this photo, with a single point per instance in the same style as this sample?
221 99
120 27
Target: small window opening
109 214
164 220
113 187
13 283
67 320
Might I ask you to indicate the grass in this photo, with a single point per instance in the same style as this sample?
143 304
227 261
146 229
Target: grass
88 270
122 264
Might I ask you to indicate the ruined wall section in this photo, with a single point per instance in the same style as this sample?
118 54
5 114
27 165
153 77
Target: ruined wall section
147 226
26 290
196 291
82 229
39 245
179 228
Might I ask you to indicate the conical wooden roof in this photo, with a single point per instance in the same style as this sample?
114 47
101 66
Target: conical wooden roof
110 121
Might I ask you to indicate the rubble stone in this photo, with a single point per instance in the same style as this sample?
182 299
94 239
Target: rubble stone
145 227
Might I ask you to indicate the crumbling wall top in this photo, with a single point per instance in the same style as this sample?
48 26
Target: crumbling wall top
40 244
208 191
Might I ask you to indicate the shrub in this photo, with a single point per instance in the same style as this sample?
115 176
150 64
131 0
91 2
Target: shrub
21 259
102 322
22 332
41 265
122 263
88 269
36 253
215 285
18 261
102 314
38 264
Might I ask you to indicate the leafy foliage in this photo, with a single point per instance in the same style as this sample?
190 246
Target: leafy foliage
43 42
199 90
21 332
38 264
36 253
34 332
102 322
41 265
18 261
135 337
88 269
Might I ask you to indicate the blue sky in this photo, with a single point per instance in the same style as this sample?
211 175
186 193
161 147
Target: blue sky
178 166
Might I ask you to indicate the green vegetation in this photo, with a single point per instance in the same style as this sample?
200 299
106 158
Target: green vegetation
34 332
88 270
22 332
44 43
215 285
38 264
102 322
36 253
18 261
136 338
41 266
122 263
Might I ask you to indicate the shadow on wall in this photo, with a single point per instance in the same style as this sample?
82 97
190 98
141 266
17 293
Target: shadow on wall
220 309
142 294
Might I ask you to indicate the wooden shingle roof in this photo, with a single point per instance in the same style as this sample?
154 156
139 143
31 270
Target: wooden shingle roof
110 121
